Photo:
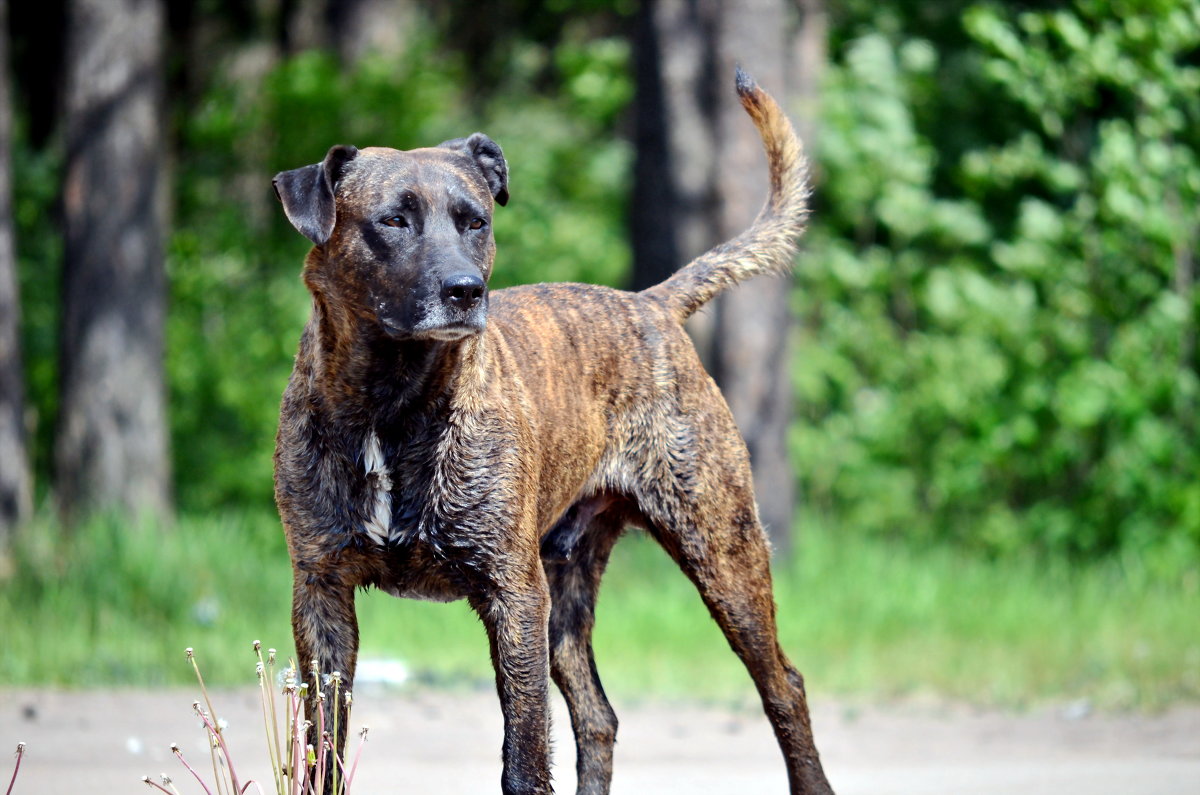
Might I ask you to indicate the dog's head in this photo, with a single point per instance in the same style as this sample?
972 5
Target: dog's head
403 239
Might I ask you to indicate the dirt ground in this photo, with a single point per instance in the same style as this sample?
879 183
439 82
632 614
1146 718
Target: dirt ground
427 741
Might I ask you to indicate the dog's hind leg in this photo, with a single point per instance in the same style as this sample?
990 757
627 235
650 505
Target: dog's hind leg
574 580
707 521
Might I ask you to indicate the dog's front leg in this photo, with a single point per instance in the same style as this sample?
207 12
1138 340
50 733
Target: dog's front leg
325 629
516 614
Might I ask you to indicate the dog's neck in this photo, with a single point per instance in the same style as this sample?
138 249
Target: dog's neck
361 372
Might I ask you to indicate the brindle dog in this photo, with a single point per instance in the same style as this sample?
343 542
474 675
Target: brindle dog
442 442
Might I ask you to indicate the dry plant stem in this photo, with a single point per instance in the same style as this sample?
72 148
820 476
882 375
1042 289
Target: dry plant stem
16 768
277 748
337 680
179 755
319 695
320 766
203 690
299 768
357 754
268 720
211 711
211 724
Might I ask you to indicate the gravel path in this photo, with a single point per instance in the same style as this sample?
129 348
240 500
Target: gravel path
448 743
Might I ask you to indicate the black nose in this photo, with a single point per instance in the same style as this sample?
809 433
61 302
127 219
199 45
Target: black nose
462 290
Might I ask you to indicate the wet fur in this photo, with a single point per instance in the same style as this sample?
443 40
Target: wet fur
509 460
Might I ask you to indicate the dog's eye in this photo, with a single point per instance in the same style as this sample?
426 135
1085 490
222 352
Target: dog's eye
477 223
395 220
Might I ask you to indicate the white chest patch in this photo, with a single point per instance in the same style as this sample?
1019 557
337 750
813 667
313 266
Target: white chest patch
379 500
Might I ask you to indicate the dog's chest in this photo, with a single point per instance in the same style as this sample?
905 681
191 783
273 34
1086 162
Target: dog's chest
377 508
392 503
435 488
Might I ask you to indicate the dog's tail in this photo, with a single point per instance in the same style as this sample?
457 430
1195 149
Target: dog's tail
770 243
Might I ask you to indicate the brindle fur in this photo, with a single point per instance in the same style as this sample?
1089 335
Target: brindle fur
497 446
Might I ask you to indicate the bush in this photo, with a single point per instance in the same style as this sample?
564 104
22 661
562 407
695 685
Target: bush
1000 346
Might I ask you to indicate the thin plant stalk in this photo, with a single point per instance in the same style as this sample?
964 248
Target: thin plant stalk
299 763
320 760
211 711
269 718
152 783
16 768
274 735
179 755
203 690
212 754
357 754
337 681
219 740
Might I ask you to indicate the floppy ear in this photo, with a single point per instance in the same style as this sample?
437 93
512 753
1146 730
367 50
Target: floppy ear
487 155
307 193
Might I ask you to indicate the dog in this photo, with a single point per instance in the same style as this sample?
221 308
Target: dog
439 441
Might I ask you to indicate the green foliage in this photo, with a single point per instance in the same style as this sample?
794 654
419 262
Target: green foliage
237 303
1001 347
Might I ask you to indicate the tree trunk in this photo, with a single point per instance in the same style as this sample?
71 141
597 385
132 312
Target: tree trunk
700 178
111 446
359 27
15 480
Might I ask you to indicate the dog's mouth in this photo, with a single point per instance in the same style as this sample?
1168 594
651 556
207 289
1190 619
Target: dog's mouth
440 332
447 333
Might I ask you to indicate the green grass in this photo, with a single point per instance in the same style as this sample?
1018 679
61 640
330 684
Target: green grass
859 616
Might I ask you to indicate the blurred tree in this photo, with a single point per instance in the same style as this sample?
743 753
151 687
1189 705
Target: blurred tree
349 28
111 446
700 178
15 479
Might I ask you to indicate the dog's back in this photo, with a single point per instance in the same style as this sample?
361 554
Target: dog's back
626 397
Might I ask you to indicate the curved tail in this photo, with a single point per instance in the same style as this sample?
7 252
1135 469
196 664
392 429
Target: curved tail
770 243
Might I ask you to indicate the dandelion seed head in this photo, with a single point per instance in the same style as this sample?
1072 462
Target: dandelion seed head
190 654
257 645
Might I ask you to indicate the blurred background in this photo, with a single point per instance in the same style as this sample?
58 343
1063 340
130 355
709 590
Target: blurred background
972 413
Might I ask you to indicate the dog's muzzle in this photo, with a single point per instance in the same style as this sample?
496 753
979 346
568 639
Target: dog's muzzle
456 310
